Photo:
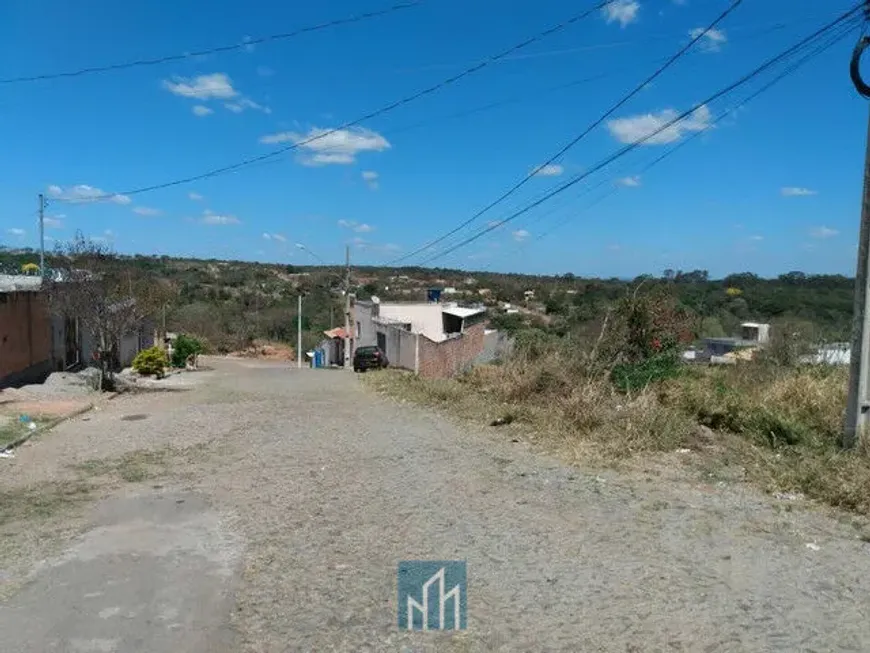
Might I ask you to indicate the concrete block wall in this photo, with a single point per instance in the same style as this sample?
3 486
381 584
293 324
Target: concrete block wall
25 337
441 360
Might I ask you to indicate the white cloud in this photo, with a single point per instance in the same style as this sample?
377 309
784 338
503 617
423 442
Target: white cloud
495 223
357 227
756 238
622 11
209 217
794 191
54 221
361 243
15 231
279 237
280 137
200 110
146 211
245 103
216 86
629 182
196 197
712 41
371 178
635 128
84 193
549 170
520 235
823 232
325 146
614 248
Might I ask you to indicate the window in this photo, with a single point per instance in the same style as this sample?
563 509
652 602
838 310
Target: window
358 328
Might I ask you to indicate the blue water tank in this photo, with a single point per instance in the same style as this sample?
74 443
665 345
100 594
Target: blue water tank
433 295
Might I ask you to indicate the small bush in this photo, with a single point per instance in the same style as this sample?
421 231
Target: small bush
185 347
629 377
150 362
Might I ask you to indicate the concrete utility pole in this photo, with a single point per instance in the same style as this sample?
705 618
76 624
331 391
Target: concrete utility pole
347 352
859 365
42 235
299 333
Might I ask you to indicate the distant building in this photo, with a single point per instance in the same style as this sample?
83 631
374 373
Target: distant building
755 332
25 331
34 342
432 339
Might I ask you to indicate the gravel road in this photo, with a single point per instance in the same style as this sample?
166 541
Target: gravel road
265 509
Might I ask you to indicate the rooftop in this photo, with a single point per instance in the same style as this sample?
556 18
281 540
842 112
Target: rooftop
459 311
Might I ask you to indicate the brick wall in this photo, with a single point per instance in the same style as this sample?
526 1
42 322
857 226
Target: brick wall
441 360
25 336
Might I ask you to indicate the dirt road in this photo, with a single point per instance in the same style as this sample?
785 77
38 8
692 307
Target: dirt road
265 509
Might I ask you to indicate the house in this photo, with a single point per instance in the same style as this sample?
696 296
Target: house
831 354
753 336
333 346
34 341
755 332
529 294
25 331
432 339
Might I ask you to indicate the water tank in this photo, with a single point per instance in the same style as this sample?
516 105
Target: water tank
433 295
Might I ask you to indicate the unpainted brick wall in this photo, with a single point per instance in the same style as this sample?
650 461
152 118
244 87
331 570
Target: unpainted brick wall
25 332
441 360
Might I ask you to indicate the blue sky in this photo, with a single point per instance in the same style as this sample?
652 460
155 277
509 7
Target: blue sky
774 187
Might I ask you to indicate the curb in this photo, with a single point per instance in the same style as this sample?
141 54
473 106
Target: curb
47 427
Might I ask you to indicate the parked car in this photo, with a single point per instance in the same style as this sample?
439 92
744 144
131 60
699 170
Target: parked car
368 358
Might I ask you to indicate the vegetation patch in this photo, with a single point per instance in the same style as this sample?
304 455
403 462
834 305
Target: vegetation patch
623 391
42 501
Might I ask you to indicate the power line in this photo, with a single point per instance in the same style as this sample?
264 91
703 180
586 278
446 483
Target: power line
390 107
637 89
217 50
632 146
843 33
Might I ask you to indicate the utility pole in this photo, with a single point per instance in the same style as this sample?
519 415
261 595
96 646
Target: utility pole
299 333
347 352
42 235
859 364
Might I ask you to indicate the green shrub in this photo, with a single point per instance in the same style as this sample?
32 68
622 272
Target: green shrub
183 348
629 377
150 362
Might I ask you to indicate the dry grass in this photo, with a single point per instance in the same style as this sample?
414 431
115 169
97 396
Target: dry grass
779 427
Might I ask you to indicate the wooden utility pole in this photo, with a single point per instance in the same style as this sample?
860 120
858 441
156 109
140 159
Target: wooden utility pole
42 235
859 364
347 352
299 333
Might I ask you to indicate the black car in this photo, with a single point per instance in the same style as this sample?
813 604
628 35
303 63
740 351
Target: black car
368 358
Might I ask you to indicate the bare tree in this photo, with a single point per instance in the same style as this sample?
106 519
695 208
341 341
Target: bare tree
91 285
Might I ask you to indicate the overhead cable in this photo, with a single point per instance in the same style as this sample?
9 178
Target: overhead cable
216 50
379 112
668 125
637 89
842 34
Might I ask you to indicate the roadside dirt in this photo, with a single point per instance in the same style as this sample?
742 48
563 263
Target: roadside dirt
265 509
